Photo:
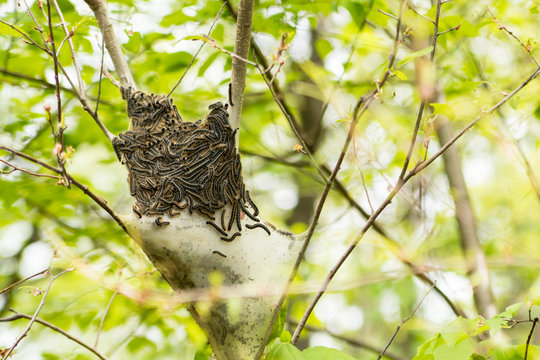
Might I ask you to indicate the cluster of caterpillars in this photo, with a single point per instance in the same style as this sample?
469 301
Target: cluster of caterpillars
176 166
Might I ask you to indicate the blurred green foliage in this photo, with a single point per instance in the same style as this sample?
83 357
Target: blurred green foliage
475 65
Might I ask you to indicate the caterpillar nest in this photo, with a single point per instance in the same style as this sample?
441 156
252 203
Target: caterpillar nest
176 166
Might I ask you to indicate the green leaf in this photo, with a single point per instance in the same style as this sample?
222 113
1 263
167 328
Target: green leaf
5 29
134 43
511 310
400 74
139 343
206 64
279 323
323 47
285 351
324 353
218 32
359 10
410 57
444 109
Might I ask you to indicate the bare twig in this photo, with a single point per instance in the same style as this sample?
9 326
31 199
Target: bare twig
350 340
477 269
97 199
529 338
293 123
80 96
28 40
421 15
113 46
59 146
418 168
262 66
197 53
23 280
402 179
101 63
511 33
55 328
280 99
38 26
359 110
388 14
241 48
451 29
403 322
33 318
103 318
41 81
26 171
69 36
421 166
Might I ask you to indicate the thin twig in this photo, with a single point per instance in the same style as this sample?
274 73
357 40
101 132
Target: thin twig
102 61
69 36
421 166
59 146
388 14
103 318
366 191
359 110
57 329
113 46
349 340
22 280
41 81
97 199
293 123
399 184
421 15
280 99
33 318
29 40
403 322
418 168
38 26
26 171
511 33
451 29
197 53
80 96
529 338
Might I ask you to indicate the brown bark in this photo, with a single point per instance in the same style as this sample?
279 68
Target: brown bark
475 260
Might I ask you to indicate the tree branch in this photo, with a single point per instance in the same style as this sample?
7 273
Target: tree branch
55 328
350 340
23 280
359 110
475 259
113 46
241 49
403 322
399 185
33 318
97 199
69 36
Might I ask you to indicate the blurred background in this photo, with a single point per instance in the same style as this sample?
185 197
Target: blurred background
322 56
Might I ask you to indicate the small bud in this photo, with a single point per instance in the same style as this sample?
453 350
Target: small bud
298 147
36 292
57 148
47 108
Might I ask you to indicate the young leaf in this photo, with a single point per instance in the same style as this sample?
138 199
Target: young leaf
324 353
410 57
285 351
